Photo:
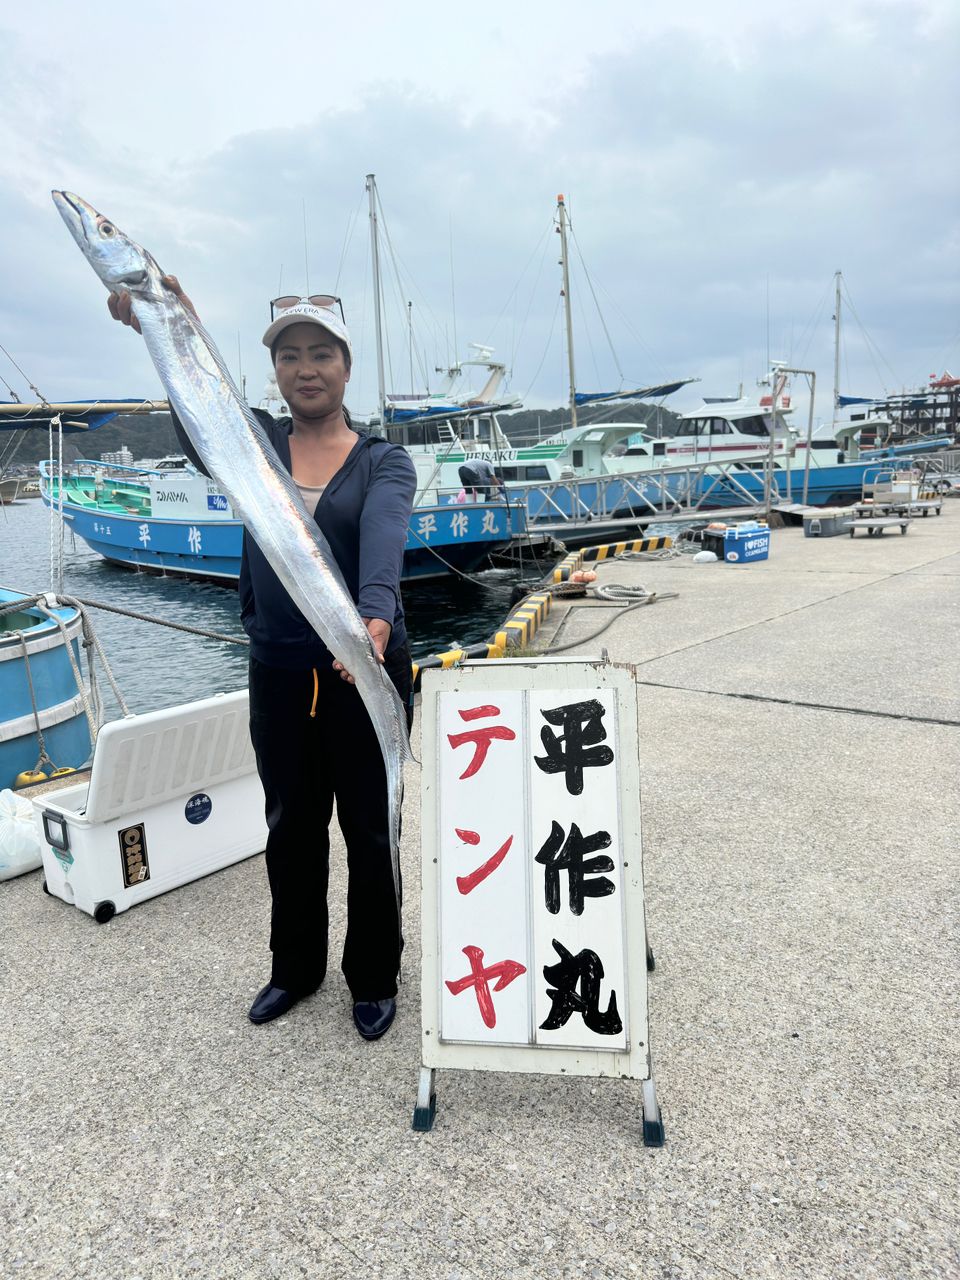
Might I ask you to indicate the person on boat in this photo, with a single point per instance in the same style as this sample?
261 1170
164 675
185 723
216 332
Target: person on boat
313 738
479 475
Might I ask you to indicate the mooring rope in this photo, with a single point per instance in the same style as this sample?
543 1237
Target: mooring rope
160 622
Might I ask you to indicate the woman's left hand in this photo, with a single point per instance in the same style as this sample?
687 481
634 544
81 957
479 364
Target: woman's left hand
379 634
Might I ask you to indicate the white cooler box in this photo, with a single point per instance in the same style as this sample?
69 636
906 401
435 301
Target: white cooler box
828 522
172 796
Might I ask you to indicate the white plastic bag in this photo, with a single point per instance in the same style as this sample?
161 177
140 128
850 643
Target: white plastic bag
19 841
705 557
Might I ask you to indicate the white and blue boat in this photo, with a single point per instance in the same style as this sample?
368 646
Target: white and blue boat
43 720
176 521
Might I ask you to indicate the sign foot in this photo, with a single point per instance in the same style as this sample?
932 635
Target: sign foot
652 1120
426 1108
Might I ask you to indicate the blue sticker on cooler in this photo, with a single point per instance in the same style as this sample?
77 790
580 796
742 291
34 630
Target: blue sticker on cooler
198 808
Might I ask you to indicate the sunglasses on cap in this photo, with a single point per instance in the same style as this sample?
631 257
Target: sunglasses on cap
289 300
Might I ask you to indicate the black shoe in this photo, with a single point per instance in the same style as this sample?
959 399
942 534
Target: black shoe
273 1002
374 1017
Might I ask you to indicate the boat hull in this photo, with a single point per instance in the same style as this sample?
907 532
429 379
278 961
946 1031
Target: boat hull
441 539
59 705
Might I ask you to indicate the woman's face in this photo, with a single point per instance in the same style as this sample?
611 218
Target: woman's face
312 373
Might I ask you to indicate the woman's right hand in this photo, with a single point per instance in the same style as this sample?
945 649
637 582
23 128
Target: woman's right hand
120 308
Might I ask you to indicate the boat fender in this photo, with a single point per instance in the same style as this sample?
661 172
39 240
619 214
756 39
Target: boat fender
705 557
28 778
59 773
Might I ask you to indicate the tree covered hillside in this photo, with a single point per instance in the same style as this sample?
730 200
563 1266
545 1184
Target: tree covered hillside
148 435
151 436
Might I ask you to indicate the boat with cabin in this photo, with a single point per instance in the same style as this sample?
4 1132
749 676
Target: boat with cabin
174 520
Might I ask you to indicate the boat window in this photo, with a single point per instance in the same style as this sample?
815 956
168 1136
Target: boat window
536 473
509 473
720 427
688 427
755 426
578 457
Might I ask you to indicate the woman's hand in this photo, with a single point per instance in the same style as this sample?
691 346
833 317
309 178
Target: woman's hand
119 304
379 634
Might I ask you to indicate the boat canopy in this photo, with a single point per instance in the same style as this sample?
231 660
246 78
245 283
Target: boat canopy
844 401
394 415
638 393
75 415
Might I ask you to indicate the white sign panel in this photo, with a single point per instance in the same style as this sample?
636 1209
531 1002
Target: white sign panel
534 949
187 496
578 885
483 856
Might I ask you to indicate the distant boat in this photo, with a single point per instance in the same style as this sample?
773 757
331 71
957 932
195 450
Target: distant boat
9 489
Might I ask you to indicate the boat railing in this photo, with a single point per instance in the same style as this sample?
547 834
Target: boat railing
659 490
86 467
110 467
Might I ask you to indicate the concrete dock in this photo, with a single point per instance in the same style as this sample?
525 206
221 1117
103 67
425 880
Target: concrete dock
800 754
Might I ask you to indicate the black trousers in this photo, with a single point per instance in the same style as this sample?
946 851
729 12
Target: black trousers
306 762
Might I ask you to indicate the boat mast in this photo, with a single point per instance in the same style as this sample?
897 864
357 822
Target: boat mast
836 350
378 323
564 262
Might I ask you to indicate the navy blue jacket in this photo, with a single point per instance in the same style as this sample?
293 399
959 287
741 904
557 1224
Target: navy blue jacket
363 513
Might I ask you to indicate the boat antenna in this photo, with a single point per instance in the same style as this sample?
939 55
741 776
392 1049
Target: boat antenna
453 297
836 348
306 264
378 322
243 381
410 339
280 282
565 263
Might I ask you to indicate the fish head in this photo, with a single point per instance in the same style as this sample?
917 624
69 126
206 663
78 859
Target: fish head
118 261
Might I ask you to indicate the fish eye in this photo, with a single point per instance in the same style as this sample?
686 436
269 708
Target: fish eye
107 229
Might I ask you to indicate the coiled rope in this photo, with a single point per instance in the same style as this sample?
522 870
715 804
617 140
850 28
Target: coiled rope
43 757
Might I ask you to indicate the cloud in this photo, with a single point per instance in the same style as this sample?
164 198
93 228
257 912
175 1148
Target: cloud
703 176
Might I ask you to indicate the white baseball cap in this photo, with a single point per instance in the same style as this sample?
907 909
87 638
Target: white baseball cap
307 313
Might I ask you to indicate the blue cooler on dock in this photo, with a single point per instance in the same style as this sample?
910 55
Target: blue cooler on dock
746 542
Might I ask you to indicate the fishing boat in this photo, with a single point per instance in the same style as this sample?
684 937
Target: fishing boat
751 437
175 521
43 719
732 451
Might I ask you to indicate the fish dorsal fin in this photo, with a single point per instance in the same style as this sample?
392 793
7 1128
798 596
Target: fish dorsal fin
221 366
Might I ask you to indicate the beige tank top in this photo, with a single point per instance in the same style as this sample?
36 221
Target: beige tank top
310 494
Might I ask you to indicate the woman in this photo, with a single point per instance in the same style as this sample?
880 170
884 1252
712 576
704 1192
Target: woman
313 738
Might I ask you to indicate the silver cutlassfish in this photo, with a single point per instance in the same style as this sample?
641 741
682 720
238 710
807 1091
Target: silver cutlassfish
236 451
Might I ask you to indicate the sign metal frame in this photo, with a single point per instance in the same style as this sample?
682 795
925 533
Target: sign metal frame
537 677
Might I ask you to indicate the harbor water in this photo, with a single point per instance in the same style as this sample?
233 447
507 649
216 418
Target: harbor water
157 667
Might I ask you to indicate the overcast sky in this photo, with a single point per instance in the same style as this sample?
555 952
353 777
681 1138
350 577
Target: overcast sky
720 163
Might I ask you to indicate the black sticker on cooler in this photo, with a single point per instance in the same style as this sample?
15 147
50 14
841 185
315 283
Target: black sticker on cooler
198 808
133 856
